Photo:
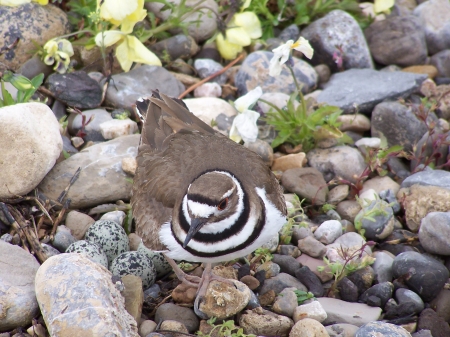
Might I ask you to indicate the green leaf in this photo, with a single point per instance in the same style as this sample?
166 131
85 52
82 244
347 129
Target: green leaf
7 98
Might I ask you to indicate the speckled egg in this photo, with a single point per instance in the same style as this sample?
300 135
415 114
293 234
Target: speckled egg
159 261
92 251
135 263
110 236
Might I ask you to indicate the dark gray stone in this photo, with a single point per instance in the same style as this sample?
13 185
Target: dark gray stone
171 311
287 263
429 320
178 46
383 291
310 280
291 32
75 89
348 291
338 32
398 124
398 40
441 61
439 178
281 281
359 90
422 274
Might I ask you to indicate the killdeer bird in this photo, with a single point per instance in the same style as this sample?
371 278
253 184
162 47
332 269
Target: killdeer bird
197 195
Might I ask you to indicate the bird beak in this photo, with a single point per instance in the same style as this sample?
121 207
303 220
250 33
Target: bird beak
196 225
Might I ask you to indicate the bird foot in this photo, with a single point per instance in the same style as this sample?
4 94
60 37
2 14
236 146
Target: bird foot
189 280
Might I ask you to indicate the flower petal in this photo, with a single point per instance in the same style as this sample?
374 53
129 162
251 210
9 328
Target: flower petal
140 53
246 125
239 36
123 56
302 45
383 6
250 98
109 38
234 133
275 67
13 3
250 22
227 49
117 10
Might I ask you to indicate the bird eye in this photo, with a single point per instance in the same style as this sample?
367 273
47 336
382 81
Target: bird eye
223 204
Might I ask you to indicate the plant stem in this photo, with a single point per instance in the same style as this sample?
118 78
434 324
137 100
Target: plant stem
295 79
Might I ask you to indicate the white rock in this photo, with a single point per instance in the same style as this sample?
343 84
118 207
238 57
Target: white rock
339 311
208 108
30 143
118 127
368 195
328 231
129 165
116 216
77 298
312 310
208 89
18 303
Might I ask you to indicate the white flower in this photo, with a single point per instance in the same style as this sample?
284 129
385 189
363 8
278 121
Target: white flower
282 53
244 124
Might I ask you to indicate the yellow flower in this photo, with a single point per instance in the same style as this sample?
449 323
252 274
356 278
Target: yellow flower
282 53
129 50
58 51
125 13
383 6
242 28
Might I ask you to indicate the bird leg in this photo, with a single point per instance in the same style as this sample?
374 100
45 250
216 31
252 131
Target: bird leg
189 280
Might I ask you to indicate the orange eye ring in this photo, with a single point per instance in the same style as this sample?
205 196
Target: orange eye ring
222 204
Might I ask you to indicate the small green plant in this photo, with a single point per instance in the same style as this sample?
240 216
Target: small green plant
351 260
25 88
262 254
302 296
293 214
304 124
225 329
369 211
328 207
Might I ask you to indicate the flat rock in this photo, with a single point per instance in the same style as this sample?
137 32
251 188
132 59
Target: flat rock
101 180
77 298
354 313
265 323
126 88
359 90
30 144
18 305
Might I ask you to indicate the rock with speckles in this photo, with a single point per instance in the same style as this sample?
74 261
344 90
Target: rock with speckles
78 298
101 179
162 267
110 236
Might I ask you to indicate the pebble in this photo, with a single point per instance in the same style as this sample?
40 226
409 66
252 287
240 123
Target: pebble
338 28
348 291
133 295
383 291
78 223
354 313
328 231
251 282
42 24
17 292
117 128
254 72
308 327
92 132
342 162
398 124
312 247
134 263
147 326
310 280
360 90
63 238
376 220
409 297
209 89
441 61
287 263
101 180
306 182
139 82
91 250
179 46
186 316
313 310
434 17
75 89
286 302
110 236
429 320
290 161
30 139
281 281
262 322
355 123
382 266
427 276
397 40
208 67
341 330
374 329
313 263
434 233
338 194
210 108
69 288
